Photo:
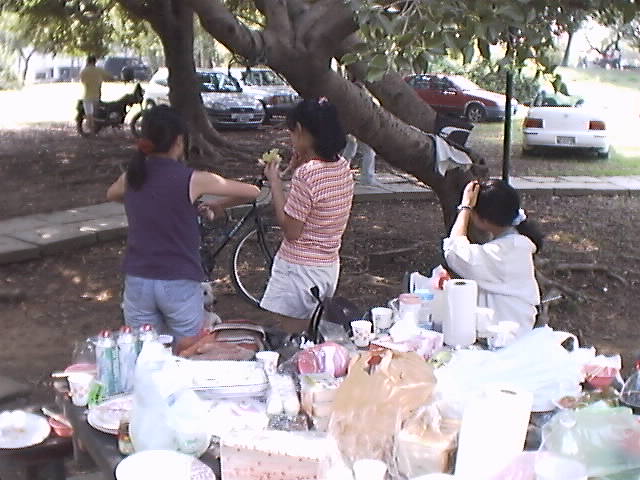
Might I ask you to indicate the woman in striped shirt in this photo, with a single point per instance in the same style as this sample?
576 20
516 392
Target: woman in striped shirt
314 215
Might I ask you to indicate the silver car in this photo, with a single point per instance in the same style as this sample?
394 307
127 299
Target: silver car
276 95
223 99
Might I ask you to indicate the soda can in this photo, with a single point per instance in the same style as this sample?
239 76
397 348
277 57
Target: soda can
146 333
107 364
127 356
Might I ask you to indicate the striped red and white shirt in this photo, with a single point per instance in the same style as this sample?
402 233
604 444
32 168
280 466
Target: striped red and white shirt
320 197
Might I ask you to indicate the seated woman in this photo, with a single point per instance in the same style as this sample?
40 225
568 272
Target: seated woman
502 267
314 216
162 261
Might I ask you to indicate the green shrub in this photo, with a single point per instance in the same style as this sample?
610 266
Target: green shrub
8 79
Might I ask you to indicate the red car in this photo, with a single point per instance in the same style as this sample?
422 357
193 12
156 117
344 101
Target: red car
456 95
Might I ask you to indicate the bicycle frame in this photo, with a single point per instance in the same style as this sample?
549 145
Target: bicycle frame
252 212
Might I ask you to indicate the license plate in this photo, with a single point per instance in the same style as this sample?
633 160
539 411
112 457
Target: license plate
242 117
566 140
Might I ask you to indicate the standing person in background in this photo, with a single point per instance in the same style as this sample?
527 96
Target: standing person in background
314 216
368 161
92 78
162 263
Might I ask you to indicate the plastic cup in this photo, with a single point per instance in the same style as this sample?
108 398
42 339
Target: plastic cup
382 318
166 341
369 469
361 332
80 386
269 361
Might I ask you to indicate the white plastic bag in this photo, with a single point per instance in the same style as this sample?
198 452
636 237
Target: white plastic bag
536 362
166 414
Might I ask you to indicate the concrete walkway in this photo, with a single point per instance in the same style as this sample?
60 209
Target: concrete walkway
33 236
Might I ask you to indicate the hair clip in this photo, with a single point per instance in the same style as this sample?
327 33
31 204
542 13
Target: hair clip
145 146
323 100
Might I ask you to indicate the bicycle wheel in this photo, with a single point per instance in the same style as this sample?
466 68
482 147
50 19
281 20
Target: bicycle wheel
251 262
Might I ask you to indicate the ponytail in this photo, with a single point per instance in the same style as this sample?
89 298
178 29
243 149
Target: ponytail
137 170
531 230
161 125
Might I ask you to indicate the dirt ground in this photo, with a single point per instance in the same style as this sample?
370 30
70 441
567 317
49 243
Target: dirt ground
71 296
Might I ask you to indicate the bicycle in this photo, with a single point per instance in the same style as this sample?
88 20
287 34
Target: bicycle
252 258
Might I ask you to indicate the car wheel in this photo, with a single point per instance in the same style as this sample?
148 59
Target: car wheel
528 151
604 154
476 113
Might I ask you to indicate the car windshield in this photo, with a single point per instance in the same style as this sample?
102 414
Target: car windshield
556 99
218 82
262 78
464 83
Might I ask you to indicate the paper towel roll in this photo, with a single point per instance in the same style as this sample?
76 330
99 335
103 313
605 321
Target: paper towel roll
493 431
459 327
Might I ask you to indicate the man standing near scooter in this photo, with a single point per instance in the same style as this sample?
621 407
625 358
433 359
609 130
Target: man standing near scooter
92 78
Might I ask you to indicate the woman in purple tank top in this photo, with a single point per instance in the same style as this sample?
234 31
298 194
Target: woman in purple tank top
162 264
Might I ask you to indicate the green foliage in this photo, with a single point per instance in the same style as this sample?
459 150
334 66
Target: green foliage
409 34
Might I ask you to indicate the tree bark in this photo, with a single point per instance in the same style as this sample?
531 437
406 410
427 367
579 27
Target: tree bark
567 50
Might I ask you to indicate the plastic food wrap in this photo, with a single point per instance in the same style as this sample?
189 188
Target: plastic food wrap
606 440
425 443
380 392
326 357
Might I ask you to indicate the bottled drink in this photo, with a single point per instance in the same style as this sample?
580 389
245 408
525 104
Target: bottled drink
630 394
125 446
146 333
107 364
127 356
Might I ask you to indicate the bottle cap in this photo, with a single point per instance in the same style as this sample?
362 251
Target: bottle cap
105 334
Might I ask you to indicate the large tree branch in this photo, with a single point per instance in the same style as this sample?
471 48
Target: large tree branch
331 28
224 27
136 8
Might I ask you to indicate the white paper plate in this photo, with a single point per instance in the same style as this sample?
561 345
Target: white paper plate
163 465
35 430
106 416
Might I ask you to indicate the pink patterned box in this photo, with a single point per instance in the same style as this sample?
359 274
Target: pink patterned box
275 455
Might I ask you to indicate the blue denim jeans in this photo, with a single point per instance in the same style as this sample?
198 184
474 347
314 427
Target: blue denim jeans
175 307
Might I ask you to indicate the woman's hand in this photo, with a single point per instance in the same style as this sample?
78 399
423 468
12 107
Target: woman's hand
470 195
212 210
272 172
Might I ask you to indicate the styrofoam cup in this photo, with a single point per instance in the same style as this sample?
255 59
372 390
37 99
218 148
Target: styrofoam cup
80 385
382 317
269 361
369 469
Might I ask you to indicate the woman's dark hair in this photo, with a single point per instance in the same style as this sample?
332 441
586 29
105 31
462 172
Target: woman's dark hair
161 126
320 119
499 203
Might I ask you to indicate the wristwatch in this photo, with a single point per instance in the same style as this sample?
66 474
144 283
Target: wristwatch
464 207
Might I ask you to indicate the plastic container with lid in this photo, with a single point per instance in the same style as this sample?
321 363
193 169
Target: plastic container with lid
425 314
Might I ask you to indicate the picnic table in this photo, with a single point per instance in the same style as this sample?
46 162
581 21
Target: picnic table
101 447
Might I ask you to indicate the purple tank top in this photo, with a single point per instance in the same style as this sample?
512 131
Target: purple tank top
163 238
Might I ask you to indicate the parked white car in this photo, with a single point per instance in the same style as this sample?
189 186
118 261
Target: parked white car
561 121
225 103
276 95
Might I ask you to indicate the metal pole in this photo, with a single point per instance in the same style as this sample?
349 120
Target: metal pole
506 145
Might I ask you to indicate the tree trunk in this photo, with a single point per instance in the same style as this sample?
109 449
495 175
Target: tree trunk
567 50
172 20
